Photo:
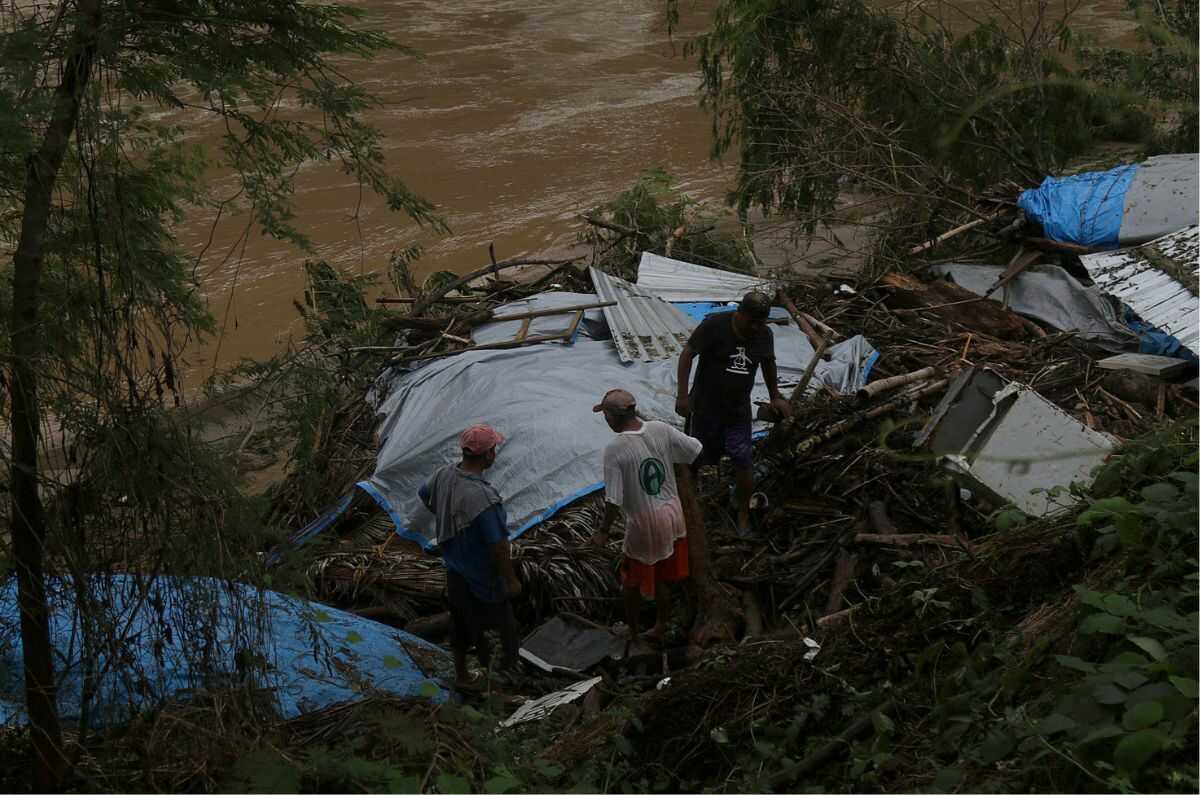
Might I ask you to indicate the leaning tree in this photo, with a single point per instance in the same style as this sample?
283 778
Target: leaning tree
99 299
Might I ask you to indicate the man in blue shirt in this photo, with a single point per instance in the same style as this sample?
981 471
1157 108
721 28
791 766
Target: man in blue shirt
473 538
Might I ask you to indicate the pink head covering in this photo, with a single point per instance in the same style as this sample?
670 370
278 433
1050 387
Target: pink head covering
479 438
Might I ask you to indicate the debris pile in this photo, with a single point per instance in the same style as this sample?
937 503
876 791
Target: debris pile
974 403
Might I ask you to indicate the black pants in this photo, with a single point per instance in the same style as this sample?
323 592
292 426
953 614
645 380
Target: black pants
470 617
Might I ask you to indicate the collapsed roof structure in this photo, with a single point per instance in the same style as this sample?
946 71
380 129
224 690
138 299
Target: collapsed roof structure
540 396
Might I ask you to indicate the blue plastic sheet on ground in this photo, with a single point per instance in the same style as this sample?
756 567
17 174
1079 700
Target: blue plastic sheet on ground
311 655
1155 342
1085 209
312 529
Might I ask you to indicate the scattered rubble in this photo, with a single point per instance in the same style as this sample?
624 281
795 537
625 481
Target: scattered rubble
984 387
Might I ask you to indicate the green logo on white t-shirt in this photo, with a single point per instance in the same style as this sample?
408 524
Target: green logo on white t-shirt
652 474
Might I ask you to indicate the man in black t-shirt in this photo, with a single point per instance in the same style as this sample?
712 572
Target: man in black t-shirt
731 347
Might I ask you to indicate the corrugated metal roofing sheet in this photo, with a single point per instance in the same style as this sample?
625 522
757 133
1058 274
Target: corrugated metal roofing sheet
1135 276
644 327
672 280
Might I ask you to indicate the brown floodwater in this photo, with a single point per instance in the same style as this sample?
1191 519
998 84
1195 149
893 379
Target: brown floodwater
519 115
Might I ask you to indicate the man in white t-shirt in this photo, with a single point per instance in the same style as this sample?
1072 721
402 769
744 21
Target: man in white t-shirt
639 479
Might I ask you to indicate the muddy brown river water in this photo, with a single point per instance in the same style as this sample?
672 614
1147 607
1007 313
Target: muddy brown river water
519 115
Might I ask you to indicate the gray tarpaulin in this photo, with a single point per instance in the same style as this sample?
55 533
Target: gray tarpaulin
1051 295
540 397
593 319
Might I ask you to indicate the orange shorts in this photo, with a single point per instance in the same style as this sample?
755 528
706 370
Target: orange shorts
646 577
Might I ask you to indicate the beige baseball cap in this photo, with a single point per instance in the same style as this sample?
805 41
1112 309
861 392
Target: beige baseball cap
618 400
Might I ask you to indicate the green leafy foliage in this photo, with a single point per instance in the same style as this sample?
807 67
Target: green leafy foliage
1160 76
654 216
817 94
96 175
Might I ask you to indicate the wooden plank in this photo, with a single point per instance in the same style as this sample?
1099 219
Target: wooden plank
571 329
1158 366
561 310
524 330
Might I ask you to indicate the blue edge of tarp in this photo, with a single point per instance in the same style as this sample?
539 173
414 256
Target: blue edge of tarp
1085 209
697 310
170 623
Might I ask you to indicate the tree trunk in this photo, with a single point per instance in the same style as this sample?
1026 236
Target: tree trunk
28 526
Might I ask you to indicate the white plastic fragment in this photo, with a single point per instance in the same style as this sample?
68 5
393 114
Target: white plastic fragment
814 649
541 707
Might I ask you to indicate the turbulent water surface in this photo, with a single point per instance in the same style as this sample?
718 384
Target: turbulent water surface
518 115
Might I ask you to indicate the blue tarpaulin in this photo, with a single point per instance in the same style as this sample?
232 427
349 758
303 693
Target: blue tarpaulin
1085 209
309 655
1154 341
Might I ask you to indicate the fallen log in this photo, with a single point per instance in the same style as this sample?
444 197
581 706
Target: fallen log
814 339
826 329
954 304
887 384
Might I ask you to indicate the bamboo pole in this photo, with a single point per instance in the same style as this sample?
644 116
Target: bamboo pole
958 230
886 407
888 384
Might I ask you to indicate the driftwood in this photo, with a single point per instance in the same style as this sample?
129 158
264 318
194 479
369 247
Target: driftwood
798 392
958 230
954 304
495 267
824 328
892 404
435 325
887 384
814 338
